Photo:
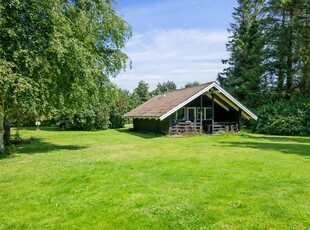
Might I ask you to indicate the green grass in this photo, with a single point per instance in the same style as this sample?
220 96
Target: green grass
117 179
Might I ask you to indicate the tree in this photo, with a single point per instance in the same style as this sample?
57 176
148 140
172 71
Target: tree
57 56
122 103
269 51
287 35
142 91
164 87
245 72
191 84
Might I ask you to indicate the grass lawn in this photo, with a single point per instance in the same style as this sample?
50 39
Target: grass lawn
117 179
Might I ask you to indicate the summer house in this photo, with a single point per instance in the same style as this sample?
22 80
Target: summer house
207 107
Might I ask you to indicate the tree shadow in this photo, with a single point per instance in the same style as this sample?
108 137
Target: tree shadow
49 128
304 140
38 146
288 145
138 134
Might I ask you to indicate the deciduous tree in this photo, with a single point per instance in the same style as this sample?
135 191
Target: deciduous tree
164 87
191 84
142 91
56 55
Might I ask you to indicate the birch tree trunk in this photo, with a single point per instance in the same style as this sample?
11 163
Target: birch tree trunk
1 125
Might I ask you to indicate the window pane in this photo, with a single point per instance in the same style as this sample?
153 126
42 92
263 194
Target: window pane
191 114
198 113
174 116
208 113
181 114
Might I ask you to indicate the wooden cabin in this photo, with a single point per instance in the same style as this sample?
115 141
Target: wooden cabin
207 107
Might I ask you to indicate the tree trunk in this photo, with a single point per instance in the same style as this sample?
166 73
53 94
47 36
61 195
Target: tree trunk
280 79
282 54
289 61
305 77
1 126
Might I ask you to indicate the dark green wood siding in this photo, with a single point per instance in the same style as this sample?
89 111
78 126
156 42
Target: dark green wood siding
151 125
222 115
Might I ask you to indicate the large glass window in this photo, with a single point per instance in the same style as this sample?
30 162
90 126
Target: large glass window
179 115
206 113
191 114
199 115
174 116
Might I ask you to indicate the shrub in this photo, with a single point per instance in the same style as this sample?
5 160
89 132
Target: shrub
286 117
89 118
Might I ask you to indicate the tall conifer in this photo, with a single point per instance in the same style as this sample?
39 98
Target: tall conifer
243 76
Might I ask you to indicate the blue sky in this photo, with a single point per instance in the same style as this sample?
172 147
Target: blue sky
175 40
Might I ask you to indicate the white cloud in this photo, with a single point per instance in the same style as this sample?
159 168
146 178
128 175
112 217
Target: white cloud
179 55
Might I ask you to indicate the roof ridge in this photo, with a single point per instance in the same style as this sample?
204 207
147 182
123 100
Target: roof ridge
207 83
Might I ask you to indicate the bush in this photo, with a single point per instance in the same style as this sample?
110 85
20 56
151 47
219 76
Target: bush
286 117
89 118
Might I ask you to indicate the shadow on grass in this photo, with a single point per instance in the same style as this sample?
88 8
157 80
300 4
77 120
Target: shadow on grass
302 140
288 145
37 146
48 128
138 134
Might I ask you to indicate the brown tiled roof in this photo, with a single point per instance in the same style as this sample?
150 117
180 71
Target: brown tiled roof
161 104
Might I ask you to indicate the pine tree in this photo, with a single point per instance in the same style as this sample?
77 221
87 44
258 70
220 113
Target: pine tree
245 72
287 42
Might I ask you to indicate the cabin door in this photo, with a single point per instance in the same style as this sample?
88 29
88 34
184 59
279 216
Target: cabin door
191 114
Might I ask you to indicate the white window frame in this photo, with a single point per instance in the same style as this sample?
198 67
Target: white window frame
204 115
187 114
209 108
177 115
184 116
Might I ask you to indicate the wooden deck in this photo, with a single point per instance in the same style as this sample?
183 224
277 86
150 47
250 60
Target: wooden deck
229 127
179 128
185 128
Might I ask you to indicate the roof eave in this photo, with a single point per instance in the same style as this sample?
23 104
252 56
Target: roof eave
206 89
141 117
241 106
213 84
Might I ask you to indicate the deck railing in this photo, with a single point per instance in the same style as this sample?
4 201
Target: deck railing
195 127
185 127
231 127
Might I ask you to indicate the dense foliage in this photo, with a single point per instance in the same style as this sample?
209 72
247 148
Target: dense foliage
107 114
269 51
164 87
191 84
142 92
285 117
56 57
123 101
242 77
269 61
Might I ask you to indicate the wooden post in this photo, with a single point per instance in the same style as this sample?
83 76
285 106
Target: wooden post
212 121
239 120
201 102
1 125
170 124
